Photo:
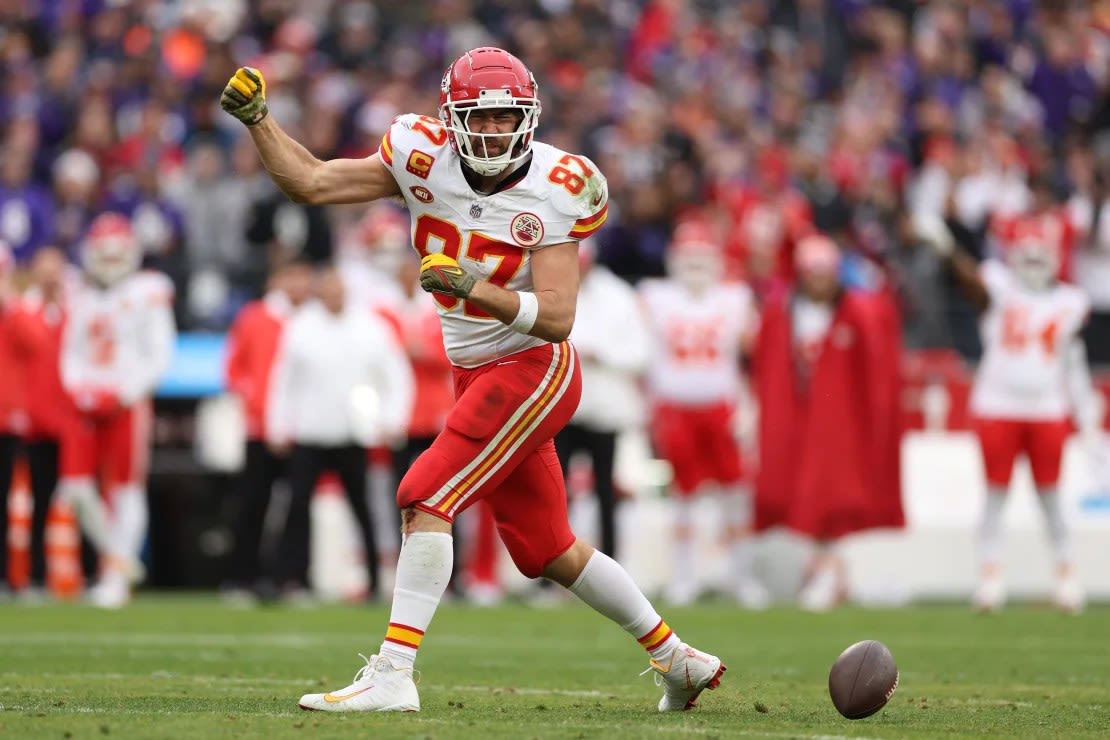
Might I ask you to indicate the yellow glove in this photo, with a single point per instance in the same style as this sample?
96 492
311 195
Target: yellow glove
441 274
245 96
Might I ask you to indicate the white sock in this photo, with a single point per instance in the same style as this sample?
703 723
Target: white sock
990 526
90 511
423 569
685 557
607 588
1058 534
736 508
129 526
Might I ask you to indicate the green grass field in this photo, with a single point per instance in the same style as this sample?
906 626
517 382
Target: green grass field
174 667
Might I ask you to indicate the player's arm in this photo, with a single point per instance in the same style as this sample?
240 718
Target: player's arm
160 334
547 312
294 169
932 231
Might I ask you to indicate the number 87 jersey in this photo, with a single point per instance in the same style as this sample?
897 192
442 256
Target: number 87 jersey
559 198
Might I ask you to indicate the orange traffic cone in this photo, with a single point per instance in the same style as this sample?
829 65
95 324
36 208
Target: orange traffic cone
63 552
19 528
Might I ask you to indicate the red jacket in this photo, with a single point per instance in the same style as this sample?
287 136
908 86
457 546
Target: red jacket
829 452
252 345
36 331
13 381
420 334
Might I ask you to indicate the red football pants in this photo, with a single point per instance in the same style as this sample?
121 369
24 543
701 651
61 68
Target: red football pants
699 444
114 450
1002 440
498 446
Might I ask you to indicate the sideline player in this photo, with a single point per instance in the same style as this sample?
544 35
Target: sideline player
497 218
701 325
1032 377
118 341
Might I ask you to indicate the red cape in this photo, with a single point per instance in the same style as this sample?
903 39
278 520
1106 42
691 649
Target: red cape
830 456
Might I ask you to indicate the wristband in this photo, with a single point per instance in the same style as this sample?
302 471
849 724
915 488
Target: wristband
527 313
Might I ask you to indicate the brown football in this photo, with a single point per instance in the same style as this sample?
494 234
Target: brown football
863 679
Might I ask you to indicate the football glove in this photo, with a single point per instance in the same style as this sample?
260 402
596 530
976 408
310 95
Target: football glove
441 274
245 96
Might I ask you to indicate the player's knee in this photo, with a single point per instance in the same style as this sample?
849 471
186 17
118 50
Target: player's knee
415 520
424 478
528 562
533 558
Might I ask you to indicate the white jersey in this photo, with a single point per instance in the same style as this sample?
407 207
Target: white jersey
698 341
561 198
1023 373
119 339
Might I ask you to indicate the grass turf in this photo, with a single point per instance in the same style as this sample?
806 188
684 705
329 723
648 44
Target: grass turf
174 667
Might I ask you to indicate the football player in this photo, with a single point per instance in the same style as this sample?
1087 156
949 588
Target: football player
117 343
497 217
1031 379
700 327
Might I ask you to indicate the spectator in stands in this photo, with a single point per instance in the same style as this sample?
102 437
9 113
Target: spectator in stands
341 383
26 208
252 347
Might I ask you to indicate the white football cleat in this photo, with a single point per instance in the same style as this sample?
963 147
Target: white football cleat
684 675
1069 597
112 591
991 593
378 687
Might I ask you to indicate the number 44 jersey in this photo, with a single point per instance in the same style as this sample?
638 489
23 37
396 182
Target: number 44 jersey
1023 373
561 198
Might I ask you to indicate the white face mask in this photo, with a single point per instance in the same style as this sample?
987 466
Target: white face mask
111 260
695 272
1036 268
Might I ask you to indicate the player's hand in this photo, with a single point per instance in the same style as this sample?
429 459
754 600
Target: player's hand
97 402
245 96
932 230
441 274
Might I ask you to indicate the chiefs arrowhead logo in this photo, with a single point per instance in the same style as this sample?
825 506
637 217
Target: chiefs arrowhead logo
422 193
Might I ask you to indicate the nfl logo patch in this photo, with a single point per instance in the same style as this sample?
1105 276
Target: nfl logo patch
475 210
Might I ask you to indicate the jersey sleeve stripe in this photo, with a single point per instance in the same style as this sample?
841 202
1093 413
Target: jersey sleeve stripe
386 150
588 226
593 218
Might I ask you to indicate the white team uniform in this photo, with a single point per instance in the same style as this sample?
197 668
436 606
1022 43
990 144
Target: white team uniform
561 198
1023 373
698 341
119 339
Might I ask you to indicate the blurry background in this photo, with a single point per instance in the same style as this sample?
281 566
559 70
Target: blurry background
770 119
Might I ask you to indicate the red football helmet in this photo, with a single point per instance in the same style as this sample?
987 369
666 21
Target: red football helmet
488 77
110 251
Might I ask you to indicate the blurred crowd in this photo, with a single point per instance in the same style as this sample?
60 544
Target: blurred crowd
770 119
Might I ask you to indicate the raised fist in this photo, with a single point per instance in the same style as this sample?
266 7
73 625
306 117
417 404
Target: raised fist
245 96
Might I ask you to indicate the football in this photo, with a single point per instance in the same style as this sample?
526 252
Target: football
863 679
